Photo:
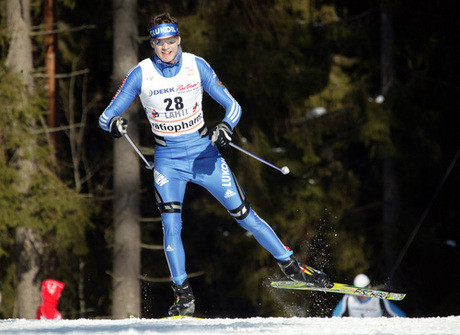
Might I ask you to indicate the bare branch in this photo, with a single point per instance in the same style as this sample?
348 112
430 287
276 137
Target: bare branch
56 129
152 246
61 75
155 219
64 30
167 279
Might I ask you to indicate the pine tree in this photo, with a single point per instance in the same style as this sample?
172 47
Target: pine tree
126 206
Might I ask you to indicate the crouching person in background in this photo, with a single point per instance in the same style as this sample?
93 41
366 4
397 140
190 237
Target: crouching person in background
50 293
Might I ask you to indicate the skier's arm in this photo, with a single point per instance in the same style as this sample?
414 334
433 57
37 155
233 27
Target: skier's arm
130 86
341 307
393 310
218 92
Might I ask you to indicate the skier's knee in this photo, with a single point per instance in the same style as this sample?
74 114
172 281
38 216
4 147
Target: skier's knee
241 212
166 207
169 207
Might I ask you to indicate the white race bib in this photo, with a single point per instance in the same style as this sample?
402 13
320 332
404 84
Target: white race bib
172 105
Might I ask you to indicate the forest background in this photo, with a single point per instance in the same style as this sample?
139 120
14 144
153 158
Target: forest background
358 99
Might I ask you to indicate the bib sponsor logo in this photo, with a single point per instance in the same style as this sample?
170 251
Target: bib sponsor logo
178 114
179 88
152 114
189 70
161 91
186 88
178 127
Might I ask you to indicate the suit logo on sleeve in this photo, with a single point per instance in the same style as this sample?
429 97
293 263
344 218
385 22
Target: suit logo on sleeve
219 83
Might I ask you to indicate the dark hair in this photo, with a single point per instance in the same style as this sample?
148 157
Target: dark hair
162 18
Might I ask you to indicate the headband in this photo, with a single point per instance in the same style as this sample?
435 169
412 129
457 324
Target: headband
164 30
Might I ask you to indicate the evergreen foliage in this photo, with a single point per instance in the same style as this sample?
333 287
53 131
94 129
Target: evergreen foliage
50 207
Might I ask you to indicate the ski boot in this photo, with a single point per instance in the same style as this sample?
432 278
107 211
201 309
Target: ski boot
184 303
302 273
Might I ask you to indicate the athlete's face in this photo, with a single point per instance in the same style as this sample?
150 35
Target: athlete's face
166 48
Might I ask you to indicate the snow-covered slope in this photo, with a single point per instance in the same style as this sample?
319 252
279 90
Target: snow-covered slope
266 326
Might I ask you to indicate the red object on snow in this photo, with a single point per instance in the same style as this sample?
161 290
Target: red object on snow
50 292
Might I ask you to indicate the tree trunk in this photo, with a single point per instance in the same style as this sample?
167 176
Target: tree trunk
28 243
386 53
19 58
391 211
29 249
391 198
126 211
50 65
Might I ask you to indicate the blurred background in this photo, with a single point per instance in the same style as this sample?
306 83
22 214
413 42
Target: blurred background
357 98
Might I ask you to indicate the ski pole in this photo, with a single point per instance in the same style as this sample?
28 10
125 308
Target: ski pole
283 170
149 165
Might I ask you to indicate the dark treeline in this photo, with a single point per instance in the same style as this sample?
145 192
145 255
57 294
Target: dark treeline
357 98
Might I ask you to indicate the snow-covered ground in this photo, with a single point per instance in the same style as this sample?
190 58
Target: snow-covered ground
267 326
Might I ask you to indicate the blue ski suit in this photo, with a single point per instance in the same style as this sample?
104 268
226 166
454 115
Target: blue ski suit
171 95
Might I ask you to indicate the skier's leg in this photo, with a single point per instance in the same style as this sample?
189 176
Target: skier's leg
173 246
169 202
168 197
225 188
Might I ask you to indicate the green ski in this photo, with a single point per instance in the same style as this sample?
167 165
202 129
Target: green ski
339 288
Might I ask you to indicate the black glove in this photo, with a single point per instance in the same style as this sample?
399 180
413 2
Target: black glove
118 126
221 135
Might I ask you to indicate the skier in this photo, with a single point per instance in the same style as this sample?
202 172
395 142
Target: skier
365 307
170 86
50 293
